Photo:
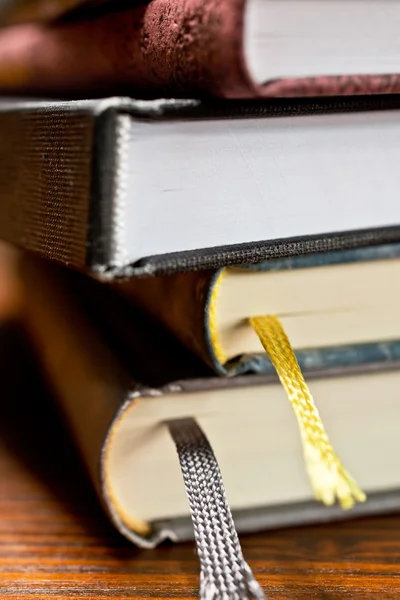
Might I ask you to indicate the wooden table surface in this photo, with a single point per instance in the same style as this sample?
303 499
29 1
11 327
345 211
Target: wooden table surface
56 543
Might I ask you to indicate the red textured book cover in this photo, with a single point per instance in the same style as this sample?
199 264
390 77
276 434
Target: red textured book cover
166 48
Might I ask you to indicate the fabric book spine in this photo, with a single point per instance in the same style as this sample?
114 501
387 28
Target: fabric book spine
190 49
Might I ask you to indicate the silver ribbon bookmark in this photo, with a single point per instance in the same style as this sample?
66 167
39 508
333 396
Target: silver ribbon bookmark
224 573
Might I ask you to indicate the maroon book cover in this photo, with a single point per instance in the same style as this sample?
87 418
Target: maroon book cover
166 48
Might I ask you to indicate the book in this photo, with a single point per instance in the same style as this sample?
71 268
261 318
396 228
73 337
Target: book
120 188
338 308
118 385
229 48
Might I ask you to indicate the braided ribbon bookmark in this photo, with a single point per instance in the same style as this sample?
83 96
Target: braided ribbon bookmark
329 479
224 573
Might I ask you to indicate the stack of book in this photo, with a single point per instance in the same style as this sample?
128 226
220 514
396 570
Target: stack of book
226 207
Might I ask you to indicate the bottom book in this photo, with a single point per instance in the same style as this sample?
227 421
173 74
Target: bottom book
121 382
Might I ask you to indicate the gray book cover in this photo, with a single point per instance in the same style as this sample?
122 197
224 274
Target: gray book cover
119 187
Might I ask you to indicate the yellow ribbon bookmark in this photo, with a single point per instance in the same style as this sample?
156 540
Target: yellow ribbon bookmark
329 479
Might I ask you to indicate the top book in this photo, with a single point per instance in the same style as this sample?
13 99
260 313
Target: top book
224 48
